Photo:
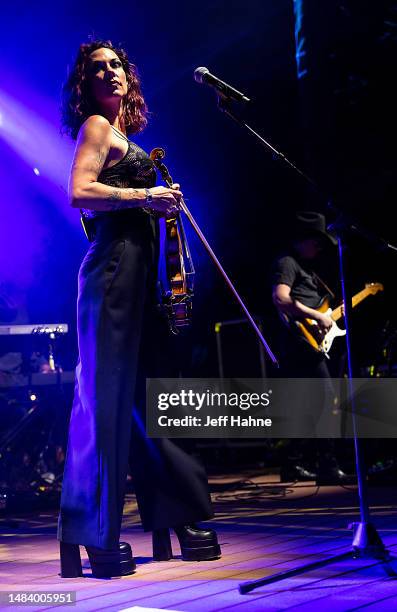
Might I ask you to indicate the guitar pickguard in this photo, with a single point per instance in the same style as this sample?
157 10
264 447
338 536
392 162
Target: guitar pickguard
313 335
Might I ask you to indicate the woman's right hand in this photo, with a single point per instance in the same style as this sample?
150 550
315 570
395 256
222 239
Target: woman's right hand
165 201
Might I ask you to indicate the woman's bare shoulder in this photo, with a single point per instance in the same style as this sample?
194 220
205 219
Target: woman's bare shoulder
94 128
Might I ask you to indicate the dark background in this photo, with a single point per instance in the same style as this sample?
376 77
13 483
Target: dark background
337 121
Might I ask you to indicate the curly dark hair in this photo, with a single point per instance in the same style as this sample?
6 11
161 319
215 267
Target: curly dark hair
78 104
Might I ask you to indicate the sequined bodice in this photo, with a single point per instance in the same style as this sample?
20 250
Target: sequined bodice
135 169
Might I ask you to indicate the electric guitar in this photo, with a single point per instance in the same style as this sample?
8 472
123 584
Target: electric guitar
310 330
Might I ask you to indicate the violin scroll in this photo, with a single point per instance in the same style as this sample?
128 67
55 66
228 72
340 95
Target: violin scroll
157 153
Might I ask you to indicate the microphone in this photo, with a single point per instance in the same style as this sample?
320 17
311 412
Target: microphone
203 75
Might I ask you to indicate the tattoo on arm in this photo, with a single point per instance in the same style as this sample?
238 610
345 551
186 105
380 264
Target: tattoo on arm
113 198
95 166
115 202
99 162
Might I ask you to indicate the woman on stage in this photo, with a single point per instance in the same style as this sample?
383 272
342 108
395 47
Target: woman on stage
112 182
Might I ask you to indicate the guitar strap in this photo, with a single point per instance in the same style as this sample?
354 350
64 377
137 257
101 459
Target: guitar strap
324 285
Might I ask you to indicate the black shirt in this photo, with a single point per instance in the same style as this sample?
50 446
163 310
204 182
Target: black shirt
304 283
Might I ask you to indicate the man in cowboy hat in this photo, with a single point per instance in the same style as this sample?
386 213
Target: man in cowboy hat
297 292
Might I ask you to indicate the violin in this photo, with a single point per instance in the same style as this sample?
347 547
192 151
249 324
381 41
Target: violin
177 298
177 287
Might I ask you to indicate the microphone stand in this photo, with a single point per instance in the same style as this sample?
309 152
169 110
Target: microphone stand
228 282
366 540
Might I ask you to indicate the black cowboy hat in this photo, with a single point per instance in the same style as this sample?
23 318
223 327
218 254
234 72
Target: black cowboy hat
311 224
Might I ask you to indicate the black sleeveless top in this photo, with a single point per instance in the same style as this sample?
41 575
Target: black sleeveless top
135 169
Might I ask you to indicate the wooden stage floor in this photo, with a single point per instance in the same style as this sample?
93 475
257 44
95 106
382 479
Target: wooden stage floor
264 527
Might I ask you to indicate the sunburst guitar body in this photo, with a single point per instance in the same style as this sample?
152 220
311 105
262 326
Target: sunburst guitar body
310 330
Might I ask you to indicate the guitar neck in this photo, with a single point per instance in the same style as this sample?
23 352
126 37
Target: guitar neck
356 299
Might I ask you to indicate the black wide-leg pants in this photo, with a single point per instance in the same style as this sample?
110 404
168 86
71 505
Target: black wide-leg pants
107 428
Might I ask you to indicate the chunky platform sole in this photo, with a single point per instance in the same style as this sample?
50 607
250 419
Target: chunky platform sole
194 550
204 553
104 563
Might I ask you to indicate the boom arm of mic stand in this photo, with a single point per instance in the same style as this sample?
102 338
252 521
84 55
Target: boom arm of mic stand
224 105
345 222
228 281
